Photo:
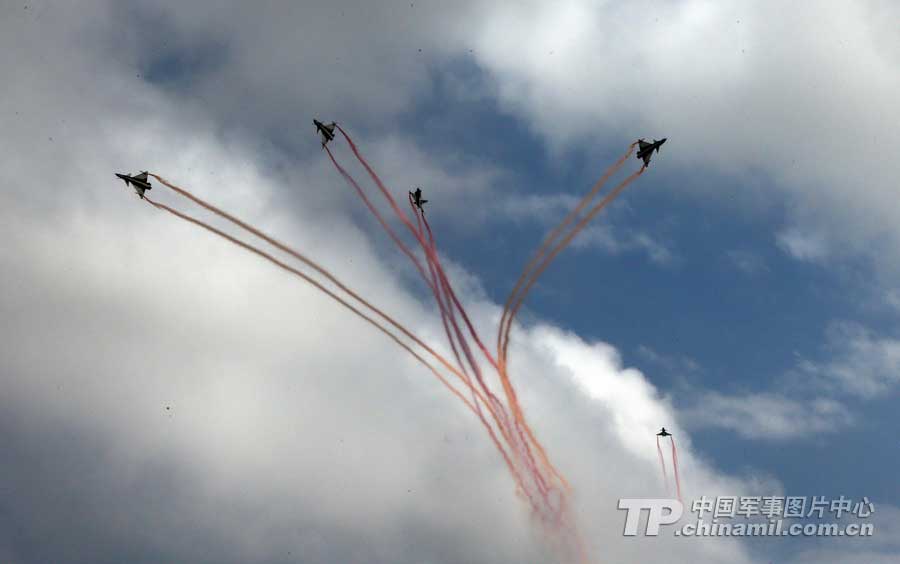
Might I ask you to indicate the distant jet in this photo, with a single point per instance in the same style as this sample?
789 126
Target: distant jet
646 149
138 182
664 433
326 130
417 199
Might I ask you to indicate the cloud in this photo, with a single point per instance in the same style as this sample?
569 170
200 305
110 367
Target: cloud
747 261
610 234
862 363
669 363
803 246
881 547
768 415
742 91
812 397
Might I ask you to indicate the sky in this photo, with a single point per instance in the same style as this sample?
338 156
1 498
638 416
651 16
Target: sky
168 397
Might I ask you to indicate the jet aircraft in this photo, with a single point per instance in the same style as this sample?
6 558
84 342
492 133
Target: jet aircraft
417 199
664 433
326 130
645 150
138 182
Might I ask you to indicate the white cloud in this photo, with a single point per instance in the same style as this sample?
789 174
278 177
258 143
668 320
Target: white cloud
768 415
609 234
862 363
747 261
880 548
803 245
798 95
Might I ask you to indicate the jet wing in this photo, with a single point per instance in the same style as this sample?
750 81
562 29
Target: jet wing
647 159
142 177
643 145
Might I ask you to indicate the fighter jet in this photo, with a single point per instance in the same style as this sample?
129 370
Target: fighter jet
417 199
326 130
138 182
664 433
646 149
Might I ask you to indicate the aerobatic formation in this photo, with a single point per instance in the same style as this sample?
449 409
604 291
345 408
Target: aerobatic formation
476 376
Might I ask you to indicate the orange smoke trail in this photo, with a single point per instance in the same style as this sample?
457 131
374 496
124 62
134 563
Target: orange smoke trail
551 237
562 245
540 482
518 423
441 299
432 257
310 263
518 416
375 178
522 445
246 246
317 285
478 396
662 464
491 403
350 180
675 468
503 353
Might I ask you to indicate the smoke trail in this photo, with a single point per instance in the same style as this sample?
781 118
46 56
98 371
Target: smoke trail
662 464
292 252
306 278
524 444
509 463
434 288
503 352
375 178
491 401
493 404
551 237
517 439
675 468
562 245
432 255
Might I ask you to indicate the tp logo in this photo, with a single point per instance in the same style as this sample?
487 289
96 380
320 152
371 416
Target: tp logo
656 518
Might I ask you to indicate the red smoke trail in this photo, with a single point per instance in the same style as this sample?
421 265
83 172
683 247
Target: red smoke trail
350 180
562 245
509 463
662 464
375 178
518 423
432 256
492 405
503 352
675 467
521 445
281 246
435 289
441 299
551 237
316 284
